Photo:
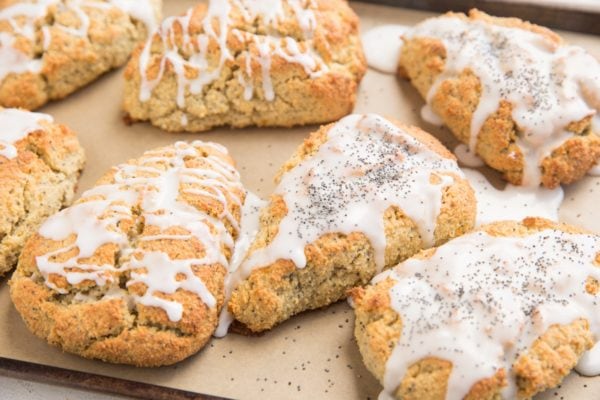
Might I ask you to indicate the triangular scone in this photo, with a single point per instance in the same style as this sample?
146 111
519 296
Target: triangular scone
40 162
358 196
521 98
246 62
503 312
134 271
50 48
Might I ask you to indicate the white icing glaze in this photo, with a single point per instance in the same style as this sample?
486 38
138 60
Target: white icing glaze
482 309
595 170
428 115
589 364
159 275
305 15
249 228
195 47
366 166
84 21
24 16
513 202
13 60
382 46
466 157
548 85
155 185
16 124
264 59
47 37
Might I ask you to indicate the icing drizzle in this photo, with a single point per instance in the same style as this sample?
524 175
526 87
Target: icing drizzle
467 157
481 301
191 52
366 166
382 46
15 125
549 85
513 202
249 228
24 16
162 187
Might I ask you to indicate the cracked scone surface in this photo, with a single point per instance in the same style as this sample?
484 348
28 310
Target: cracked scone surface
134 271
52 48
38 176
240 63
515 92
419 348
349 202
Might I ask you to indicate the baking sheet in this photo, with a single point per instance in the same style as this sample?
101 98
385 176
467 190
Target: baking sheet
312 354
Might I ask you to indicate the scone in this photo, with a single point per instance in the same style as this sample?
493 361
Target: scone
246 62
133 272
358 196
519 96
503 312
50 48
40 163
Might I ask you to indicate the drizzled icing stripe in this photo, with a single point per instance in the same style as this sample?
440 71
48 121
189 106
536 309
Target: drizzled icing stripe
481 301
157 185
366 166
549 85
24 16
512 202
249 228
382 46
15 125
191 52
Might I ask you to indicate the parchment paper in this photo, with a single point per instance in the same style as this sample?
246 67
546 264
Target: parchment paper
311 355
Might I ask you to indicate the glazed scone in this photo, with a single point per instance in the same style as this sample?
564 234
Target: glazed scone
503 312
133 272
514 92
358 196
243 62
50 48
40 163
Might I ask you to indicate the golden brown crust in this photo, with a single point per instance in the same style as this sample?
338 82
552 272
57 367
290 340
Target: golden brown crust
70 61
552 357
298 100
117 328
549 359
423 60
337 262
35 184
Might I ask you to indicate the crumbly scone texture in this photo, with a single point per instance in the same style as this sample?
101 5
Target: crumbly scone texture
70 61
337 262
118 329
550 358
422 60
35 184
298 98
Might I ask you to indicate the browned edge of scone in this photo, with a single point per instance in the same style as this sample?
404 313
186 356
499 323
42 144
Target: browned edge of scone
337 262
70 62
550 358
114 329
298 98
422 60
38 182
